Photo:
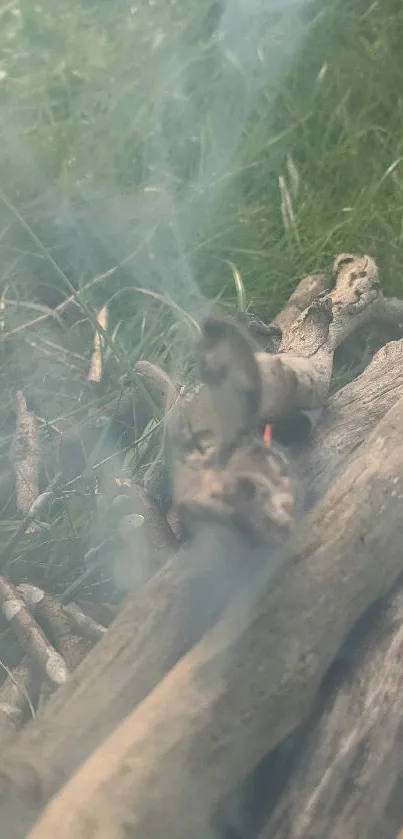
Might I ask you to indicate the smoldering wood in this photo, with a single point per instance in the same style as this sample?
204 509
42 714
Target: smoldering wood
242 387
24 778
253 677
294 380
253 493
229 475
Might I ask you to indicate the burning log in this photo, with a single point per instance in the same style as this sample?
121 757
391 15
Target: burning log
294 382
254 676
206 709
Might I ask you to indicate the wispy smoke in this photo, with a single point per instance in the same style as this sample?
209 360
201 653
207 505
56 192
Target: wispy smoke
249 47
207 93
208 89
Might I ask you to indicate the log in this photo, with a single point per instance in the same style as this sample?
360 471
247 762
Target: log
254 676
296 378
156 625
117 676
306 291
150 634
345 776
348 418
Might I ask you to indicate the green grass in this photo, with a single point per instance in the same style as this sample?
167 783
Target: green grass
141 147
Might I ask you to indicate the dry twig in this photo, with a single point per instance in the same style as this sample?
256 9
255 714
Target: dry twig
95 371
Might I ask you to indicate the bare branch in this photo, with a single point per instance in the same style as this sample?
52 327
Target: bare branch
161 538
95 371
83 624
30 636
55 622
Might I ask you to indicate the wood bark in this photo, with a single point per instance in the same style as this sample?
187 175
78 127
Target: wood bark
253 677
348 418
306 291
352 758
148 637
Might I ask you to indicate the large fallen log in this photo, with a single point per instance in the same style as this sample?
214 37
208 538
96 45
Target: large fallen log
349 763
253 677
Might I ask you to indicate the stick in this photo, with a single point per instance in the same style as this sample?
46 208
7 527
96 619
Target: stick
30 636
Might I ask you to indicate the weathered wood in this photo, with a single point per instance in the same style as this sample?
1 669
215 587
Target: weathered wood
156 630
147 638
298 376
306 291
245 389
169 615
344 778
253 677
20 688
348 419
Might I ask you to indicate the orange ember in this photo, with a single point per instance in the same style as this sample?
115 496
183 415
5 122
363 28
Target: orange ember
267 434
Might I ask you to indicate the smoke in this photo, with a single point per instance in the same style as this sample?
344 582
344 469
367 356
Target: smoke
206 87
200 115
206 91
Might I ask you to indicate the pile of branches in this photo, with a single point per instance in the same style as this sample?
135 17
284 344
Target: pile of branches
272 628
